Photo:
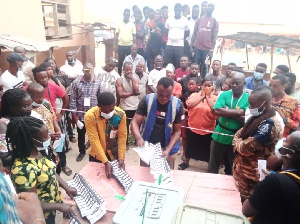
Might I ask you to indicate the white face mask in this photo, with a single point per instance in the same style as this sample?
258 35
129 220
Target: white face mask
45 144
108 116
34 104
257 111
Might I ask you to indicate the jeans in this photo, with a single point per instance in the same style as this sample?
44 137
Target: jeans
81 139
123 51
219 152
199 58
173 54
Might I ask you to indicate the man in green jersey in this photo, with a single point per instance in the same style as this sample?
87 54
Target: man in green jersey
230 106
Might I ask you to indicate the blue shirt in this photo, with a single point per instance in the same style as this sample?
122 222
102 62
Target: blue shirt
250 83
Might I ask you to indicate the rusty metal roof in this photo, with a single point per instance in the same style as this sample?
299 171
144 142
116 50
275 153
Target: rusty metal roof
264 39
9 42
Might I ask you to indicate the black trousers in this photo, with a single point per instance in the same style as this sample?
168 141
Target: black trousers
172 54
218 153
141 52
93 159
123 51
129 116
81 139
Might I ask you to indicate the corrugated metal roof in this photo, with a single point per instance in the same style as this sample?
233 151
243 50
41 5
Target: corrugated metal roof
10 41
264 39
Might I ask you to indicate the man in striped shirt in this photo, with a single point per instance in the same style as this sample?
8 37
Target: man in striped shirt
84 92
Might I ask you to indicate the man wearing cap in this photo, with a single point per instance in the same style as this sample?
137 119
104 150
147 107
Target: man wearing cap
27 66
177 90
13 77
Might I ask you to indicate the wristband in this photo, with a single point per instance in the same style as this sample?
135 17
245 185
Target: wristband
272 172
37 220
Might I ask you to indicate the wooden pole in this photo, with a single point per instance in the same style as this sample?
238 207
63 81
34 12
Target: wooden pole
247 56
272 55
288 57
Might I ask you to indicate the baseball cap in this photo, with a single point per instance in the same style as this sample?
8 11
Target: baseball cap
13 57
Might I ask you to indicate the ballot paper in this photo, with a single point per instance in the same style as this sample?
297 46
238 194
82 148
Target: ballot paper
59 144
121 176
261 165
152 155
90 204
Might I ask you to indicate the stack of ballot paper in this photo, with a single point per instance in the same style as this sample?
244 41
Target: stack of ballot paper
90 204
159 168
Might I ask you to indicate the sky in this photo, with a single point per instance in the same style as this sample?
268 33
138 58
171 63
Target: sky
285 12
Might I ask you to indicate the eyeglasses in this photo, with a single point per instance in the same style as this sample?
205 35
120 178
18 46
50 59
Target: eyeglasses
284 151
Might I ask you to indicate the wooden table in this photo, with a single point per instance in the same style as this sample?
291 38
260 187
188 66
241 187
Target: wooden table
213 191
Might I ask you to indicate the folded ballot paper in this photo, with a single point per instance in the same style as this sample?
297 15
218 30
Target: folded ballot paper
159 168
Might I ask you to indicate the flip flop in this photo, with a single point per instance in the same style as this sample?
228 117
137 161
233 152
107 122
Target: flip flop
67 170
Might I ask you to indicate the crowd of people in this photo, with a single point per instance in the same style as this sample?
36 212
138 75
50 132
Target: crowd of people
162 93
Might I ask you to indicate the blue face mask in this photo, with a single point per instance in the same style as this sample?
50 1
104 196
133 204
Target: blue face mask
258 76
46 144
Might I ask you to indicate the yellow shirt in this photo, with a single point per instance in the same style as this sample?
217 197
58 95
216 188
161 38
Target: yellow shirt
126 32
96 130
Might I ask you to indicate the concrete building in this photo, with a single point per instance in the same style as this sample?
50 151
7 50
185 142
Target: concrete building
61 24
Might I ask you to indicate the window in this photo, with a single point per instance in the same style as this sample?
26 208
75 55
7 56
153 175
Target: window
56 18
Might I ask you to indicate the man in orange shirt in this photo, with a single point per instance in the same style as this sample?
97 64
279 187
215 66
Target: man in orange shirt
177 91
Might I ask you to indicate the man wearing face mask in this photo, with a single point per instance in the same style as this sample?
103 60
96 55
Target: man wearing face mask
258 77
73 67
84 92
13 77
255 140
106 129
276 199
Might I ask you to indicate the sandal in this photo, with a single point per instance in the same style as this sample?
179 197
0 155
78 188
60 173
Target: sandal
67 170
73 139
183 166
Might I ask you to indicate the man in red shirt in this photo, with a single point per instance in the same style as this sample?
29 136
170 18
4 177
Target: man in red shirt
204 38
183 70
51 91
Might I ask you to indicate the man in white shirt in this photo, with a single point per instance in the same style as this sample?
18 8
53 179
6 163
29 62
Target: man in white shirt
134 58
27 66
13 77
72 67
178 30
156 74
108 76
142 76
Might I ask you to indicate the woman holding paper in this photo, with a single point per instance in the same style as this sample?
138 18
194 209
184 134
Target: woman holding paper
32 170
255 141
